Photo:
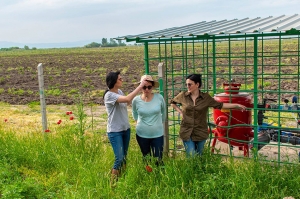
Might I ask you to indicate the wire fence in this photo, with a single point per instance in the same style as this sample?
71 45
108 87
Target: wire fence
266 69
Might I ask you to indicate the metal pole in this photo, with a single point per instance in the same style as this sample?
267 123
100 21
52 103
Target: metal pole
42 96
255 94
146 54
162 91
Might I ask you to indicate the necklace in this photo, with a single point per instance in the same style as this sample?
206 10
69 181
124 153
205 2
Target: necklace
146 98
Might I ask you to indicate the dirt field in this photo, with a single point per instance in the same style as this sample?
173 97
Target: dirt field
67 73
72 72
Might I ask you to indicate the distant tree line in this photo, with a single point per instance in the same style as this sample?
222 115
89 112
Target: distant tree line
105 43
17 48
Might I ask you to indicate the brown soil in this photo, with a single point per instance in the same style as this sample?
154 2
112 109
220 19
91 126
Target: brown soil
67 74
81 72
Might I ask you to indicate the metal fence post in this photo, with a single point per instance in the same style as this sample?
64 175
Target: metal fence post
42 96
162 91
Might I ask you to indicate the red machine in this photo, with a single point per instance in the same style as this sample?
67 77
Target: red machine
237 134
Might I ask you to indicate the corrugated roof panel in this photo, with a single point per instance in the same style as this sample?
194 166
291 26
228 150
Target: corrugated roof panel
185 30
292 23
276 23
246 25
235 27
217 29
262 24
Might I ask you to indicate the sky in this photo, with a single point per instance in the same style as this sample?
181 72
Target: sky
54 21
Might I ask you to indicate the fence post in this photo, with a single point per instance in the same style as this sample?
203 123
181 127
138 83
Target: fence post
162 91
42 96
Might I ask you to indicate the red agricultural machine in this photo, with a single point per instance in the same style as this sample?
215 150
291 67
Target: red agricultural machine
233 124
234 127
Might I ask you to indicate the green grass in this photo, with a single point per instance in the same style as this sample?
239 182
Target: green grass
69 163
66 165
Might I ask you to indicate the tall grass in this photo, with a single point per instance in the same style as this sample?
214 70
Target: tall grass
74 162
58 167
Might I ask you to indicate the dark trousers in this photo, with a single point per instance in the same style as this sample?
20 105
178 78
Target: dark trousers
151 146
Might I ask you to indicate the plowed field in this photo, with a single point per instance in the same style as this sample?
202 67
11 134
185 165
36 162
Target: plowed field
68 73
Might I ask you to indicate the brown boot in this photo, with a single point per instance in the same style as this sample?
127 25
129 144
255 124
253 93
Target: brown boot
122 170
114 177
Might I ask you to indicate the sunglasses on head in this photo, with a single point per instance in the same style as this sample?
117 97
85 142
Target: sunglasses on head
149 87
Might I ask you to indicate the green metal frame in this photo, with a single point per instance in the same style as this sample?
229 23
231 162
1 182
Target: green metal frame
247 58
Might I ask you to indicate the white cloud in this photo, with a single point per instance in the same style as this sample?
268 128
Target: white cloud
72 20
277 3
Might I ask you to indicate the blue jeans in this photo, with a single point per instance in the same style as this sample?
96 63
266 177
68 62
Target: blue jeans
151 146
120 143
193 148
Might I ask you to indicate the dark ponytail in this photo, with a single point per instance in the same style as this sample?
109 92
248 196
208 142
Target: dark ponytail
111 80
197 78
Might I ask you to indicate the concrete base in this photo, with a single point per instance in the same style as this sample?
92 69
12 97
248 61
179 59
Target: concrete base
287 153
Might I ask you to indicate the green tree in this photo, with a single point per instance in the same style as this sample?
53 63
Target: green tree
104 41
120 43
111 43
26 47
92 45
